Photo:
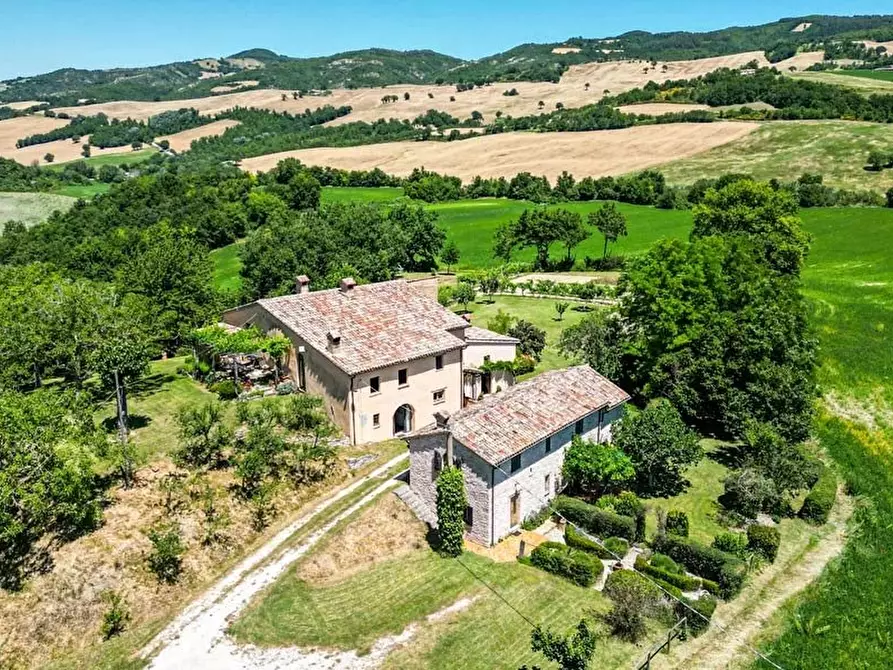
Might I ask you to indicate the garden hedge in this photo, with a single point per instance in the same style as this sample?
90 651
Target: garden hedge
821 499
726 570
677 522
683 582
764 540
731 543
620 579
696 625
594 520
575 565
577 540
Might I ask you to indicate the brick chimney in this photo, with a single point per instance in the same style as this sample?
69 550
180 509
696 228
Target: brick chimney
347 284
334 340
442 419
302 284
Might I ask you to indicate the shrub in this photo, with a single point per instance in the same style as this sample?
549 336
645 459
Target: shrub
116 617
748 491
704 606
225 390
677 523
578 566
577 540
679 581
820 500
166 558
451 502
537 519
711 587
285 388
617 546
763 540
728 571
633 597
731 543
596 521
666 564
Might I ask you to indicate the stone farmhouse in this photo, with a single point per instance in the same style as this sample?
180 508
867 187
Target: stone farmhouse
511 446
385 357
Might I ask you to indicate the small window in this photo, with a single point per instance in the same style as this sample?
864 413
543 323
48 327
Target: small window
548 444
439 396
516 463
436 465
402 377
578 427
376 420
548 485
438 362
487 358
469 516
374 384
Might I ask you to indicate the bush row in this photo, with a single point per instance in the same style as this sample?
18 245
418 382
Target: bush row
577 540
763 540
705 606
726 570
821 499
680 581
597 521
578 566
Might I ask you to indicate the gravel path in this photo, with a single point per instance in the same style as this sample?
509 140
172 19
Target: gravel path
197 638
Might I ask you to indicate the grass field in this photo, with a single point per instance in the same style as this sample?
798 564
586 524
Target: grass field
879 75
131 158
227 266
85 191
360 194
848 78
785 150
31 208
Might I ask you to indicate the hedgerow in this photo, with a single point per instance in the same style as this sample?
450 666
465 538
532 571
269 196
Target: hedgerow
728 571
575 565
596 521
763 540
680 581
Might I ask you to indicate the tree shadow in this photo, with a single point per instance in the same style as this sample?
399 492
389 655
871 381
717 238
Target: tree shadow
150 384
134 422
729 455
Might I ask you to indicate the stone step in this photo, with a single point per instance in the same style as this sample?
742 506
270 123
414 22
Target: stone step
416 504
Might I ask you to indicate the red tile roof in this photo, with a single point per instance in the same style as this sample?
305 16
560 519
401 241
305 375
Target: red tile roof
475 334
507 423
379 324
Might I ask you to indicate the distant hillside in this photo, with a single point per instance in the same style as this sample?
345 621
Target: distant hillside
379 67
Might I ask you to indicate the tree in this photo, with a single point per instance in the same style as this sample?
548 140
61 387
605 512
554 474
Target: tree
450 254
406 96
765 217
49 158
539 228
595 469
660 445
136 146
501 322
540 104
570 652
633 598
532 339
301 191
451 503
166 557
203 435
596 340
561 308
165 145
464 294
85 151
418 237
490 283
877 160
559 105
609 222
890 198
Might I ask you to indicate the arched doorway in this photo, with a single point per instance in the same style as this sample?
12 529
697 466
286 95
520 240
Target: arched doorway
403 419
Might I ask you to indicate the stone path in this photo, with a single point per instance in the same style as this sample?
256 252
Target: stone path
418 507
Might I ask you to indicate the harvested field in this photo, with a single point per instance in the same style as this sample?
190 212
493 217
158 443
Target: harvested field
210 75
566 50
63 150
181 141
15 129
24 104
229 88
801 61
31 208
658 108
595 153
615 76
208 63
871 44
801 27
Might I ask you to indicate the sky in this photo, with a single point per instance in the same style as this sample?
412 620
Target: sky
50 34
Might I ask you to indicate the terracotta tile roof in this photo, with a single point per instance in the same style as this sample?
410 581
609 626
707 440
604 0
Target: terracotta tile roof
475 334
505 424
379 324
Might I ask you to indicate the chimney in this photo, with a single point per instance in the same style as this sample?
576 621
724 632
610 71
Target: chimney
334 338
347 284
442 419
302 284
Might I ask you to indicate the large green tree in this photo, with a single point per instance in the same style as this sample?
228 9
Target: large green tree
570 652
540 229
594 469
610 222
598 341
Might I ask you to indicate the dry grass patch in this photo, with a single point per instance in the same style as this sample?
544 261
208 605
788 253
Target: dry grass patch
24 104
387 530
183 140
596 153
15 129
229 88
658 108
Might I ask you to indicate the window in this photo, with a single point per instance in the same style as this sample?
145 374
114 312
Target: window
516 463
374 384
402 377
302 373
439 396
487 358
438 362
376 420
548 485
548 444
469 516
578 427
436 465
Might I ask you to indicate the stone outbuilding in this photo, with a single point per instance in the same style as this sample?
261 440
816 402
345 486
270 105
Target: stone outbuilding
511 446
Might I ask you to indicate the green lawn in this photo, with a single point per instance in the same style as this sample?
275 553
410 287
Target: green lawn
848 78
540 312
129 158
355 612
880 75
85 191
785 150
360 194
227 267
31 208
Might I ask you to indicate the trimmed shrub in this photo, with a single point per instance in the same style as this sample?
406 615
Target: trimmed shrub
704 606
677 523
764 540
679 581
596 521
731 543
711 587
726 570
820 500
537 519
225 390
577 540
617 546
578 566
451 502
666 563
